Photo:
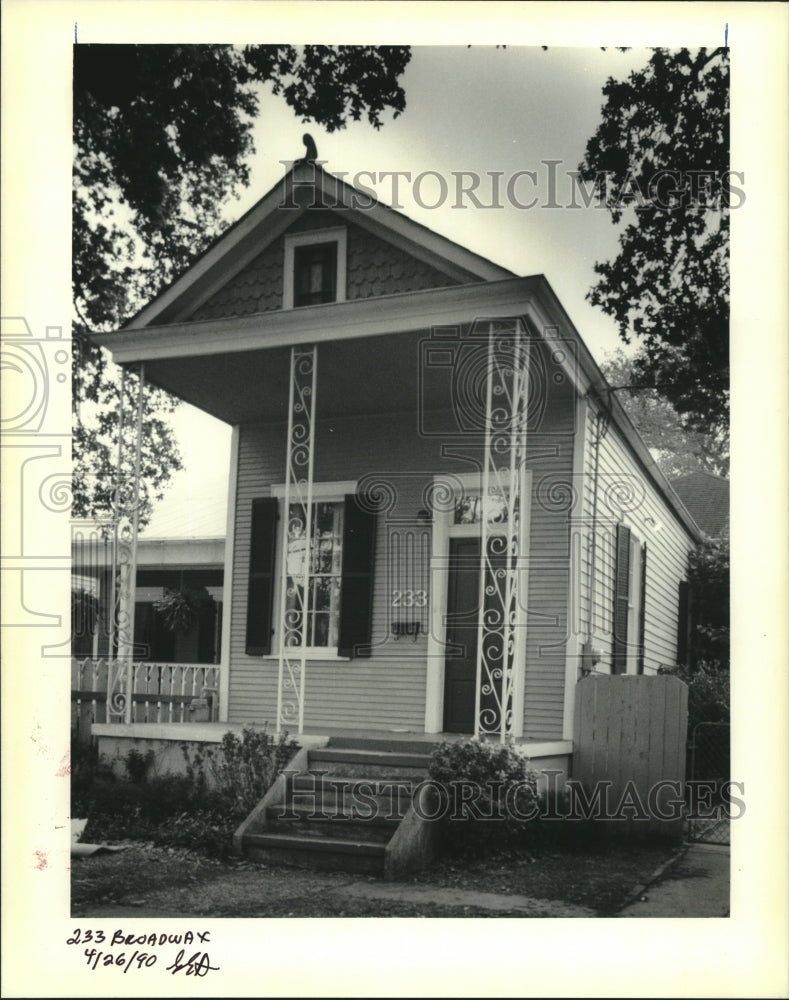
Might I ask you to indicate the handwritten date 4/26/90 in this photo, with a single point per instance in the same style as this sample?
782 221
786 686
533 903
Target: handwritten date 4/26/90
197 964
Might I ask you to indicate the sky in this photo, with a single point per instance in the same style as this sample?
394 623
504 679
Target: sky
477 109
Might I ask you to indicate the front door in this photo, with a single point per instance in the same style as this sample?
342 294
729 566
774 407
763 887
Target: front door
462 636
460 672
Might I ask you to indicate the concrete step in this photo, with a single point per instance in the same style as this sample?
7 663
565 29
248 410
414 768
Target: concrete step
344 807
307 821
327 854
369 763
393 745
346 793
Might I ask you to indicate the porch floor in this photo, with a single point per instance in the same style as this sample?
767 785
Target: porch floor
212 732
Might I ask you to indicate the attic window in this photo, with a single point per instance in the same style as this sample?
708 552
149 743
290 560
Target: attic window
315 274
314 268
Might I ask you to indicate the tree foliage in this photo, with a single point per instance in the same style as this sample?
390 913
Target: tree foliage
677 449
709 581
661 152
163 137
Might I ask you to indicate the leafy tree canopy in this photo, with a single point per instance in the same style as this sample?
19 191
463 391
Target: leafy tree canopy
163 136
676 448
662 153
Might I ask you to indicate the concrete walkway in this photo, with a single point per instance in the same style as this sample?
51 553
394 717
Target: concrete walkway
526 906
695 884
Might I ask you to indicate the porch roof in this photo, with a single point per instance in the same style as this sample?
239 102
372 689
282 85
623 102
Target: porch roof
234 368
368 317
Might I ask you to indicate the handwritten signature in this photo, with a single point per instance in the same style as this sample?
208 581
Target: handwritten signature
198 965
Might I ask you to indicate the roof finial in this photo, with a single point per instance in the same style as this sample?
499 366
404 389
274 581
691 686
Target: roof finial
311 150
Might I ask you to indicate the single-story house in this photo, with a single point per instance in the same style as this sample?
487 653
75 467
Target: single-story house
184 566
440 517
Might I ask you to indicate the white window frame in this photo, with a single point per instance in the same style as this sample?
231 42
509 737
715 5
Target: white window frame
331 492
338 235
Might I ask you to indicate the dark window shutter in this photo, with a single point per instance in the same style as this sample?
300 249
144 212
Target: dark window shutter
683 623
642 610
356 594
621 587
261 576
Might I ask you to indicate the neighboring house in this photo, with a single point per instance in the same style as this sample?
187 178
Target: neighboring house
706 496
190 566
439 515
172 666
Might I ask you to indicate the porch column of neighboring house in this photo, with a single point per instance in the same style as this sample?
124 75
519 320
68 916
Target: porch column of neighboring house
126 515
501 644
296 527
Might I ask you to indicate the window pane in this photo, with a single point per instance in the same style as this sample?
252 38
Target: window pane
322 585
315 274
320 593
468 508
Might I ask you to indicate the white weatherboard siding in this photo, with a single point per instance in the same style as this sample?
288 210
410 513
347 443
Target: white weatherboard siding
650 519
388 689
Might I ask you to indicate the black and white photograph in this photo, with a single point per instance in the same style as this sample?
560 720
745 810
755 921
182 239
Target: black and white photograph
373 471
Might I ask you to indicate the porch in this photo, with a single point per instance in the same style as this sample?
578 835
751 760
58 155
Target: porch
166 739
325 547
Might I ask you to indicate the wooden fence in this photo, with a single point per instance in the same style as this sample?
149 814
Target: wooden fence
630 735
163 692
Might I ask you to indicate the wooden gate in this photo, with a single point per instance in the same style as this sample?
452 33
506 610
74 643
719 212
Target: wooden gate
629 748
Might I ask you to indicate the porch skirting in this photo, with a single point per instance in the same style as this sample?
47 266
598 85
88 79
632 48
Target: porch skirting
167 740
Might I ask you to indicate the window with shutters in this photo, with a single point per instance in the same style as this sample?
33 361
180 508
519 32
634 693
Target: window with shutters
629 603
314 268
328 579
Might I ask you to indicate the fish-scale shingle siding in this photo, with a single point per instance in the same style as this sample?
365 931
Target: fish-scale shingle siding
375 267
378 268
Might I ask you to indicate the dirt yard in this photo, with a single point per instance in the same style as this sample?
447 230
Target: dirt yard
144 880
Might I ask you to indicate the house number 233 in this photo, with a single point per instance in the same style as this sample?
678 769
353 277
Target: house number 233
409 598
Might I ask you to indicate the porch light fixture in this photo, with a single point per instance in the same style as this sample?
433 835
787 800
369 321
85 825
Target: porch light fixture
424 516
652 524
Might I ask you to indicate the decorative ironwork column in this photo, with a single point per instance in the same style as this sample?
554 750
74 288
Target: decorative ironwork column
502 547
125 524
297 538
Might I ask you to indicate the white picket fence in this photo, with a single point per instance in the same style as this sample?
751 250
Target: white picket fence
163 692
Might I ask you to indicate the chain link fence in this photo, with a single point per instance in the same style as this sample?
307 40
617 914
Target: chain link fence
709 771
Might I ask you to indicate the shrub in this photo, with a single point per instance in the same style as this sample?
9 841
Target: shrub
138 765
242 769
198 810
709 693
489 788
86 769
708 575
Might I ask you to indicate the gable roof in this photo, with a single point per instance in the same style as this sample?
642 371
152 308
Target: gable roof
706 497
167 327
306 186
